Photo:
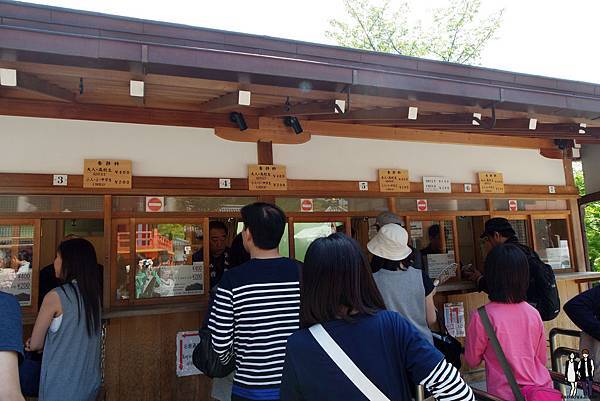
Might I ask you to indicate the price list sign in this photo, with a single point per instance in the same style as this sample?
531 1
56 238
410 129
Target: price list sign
491 183
266 177
393 180
104 173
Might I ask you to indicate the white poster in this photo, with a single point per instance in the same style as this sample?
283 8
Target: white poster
186 343
416 229
454 317
437 185
189 279
436 263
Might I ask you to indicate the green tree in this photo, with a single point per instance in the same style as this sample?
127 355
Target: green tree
456 33
592 224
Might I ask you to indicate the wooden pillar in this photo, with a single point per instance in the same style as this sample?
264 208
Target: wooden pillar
580 257
265 156
107 251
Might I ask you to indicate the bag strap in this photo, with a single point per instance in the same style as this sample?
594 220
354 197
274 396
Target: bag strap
346 365
500 354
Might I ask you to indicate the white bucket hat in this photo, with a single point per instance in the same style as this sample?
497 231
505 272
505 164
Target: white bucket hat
391 242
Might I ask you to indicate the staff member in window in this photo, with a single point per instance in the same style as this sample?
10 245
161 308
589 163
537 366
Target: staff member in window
219 251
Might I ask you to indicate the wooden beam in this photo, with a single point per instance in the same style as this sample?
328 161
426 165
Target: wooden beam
32 83
265 152
303 109
232 101
412 135
460 122
119 114
285 137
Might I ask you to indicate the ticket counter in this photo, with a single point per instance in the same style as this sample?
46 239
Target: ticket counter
70 92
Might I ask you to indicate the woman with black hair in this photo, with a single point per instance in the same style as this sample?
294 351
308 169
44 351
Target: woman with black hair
350 347
68 327
517 325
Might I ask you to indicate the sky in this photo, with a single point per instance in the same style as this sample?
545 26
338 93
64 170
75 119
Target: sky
553 38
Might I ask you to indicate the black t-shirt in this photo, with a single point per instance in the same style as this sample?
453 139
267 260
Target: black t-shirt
48 282
218 265
378 263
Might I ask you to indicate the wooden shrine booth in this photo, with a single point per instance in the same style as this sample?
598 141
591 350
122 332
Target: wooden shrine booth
78 85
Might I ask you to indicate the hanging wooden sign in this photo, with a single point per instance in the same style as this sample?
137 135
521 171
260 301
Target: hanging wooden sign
393 180
266 177
107 173
491 183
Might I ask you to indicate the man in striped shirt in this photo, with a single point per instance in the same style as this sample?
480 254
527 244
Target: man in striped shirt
257 306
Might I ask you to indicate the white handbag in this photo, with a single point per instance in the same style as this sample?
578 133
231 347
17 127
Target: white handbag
346 365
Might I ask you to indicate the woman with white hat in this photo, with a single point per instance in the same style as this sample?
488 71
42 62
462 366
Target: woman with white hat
404 289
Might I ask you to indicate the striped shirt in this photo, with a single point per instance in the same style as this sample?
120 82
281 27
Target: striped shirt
256 308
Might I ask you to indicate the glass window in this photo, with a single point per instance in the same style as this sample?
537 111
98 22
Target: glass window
169 260
16 260
442 204
333 204
50 203
531 204
552 242
522 230
306 233
471 249
435 240
184 204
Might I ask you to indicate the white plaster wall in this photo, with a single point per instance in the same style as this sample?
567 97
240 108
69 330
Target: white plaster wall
52 146
358 159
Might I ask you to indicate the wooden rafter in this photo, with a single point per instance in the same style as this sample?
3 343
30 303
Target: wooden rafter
32 83
229 102
302 109
122 114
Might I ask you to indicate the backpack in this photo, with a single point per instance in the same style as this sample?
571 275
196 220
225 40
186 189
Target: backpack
546 298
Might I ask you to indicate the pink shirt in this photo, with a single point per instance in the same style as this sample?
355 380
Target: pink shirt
520 332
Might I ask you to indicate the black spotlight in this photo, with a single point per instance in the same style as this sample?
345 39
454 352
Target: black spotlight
294 123
238 119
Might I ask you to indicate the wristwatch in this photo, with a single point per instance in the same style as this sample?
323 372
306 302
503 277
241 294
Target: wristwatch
436 282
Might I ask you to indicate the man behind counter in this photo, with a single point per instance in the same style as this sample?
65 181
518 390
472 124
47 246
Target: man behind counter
219 251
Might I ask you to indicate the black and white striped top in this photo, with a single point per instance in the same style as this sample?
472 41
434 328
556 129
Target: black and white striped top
255 310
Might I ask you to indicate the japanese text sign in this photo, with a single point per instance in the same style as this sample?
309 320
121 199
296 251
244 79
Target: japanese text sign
491 183
266 177
104 173
393 180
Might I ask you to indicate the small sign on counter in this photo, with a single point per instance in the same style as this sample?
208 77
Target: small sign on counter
107 173
393 180
491 183
437 185
266 177
186 343
454 318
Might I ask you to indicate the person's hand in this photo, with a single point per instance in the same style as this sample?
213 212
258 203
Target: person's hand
28 344
471 273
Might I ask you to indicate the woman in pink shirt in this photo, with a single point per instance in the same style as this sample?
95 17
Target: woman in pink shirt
517 324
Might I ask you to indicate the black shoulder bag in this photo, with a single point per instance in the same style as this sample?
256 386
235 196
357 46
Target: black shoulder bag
207 360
